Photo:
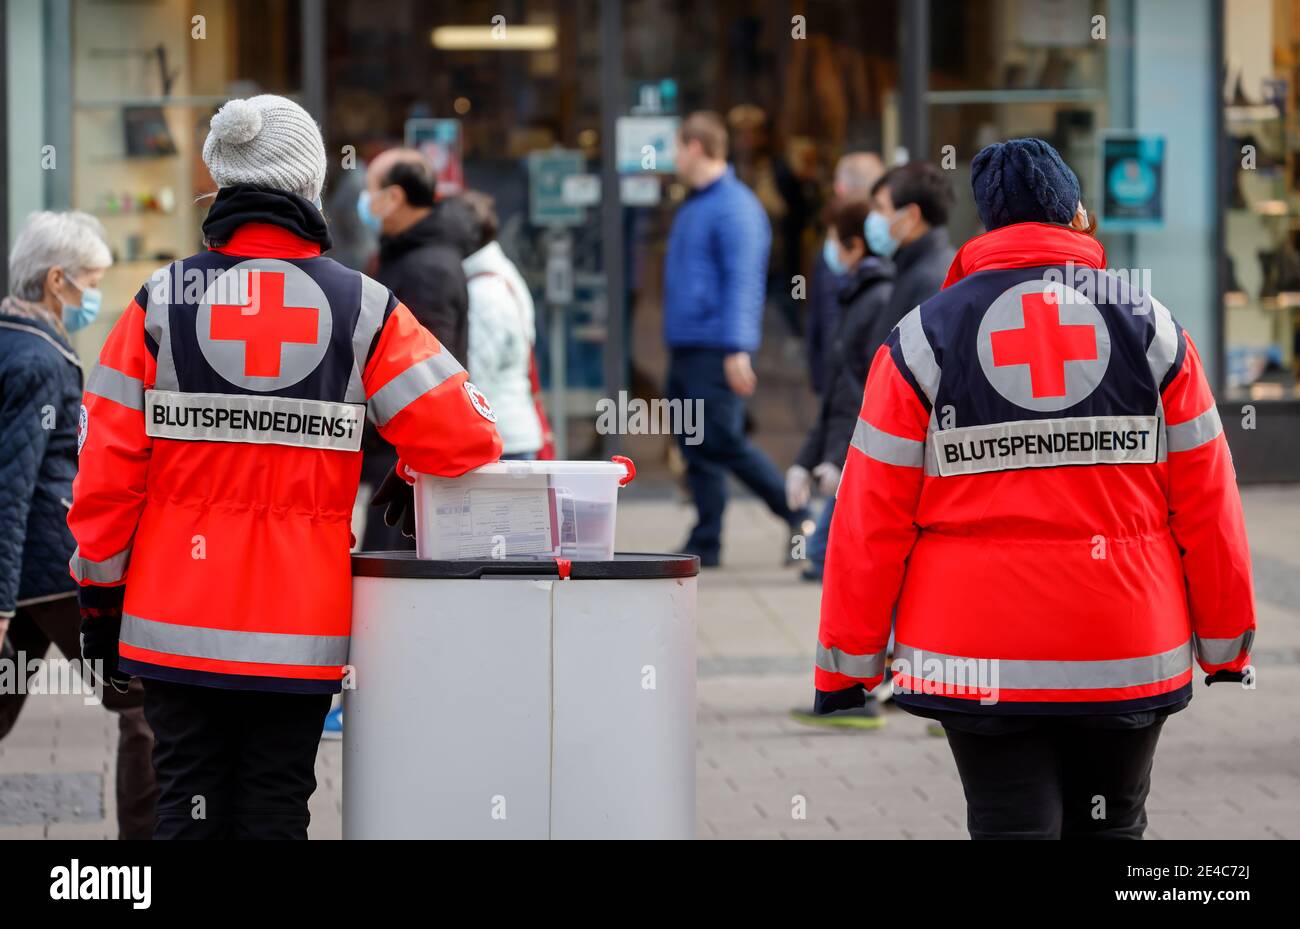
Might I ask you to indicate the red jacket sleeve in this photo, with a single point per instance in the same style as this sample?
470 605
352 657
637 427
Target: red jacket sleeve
873 530
109 491
421 400
1207 522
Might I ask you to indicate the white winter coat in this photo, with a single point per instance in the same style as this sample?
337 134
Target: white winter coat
502 331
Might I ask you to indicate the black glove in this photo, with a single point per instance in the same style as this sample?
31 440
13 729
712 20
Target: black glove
1225 677
829 701
398 498
101 626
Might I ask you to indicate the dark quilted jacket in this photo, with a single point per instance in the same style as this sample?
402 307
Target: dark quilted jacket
40 399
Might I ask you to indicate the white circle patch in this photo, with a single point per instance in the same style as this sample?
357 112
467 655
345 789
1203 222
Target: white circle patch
1043 346
264 324
480 402
83 427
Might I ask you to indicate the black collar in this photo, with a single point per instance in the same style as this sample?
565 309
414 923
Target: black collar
246 203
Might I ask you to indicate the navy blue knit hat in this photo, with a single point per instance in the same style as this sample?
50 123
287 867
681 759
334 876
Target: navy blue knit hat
1023 181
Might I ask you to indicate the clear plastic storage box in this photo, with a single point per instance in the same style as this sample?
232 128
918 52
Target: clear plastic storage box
521 509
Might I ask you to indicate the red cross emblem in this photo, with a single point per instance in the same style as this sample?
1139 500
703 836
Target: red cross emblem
1044 344
265 324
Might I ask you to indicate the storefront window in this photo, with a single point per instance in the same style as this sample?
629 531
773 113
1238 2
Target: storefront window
1003 69
1261 302
146 78
793 107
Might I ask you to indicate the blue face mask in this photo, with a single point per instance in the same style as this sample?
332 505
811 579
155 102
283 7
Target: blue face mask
367 215
83 314
880 239
831 255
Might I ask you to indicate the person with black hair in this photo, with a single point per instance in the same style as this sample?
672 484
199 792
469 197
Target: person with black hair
422 242
866 284
908 225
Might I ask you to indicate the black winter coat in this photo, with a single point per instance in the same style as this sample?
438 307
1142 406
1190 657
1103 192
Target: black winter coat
40 400
919 271
864 299
422 267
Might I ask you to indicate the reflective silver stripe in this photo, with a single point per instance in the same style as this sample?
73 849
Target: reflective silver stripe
838 662
1223 651
1027 674
1195 432
233 645
374 300
883 446
157 322
411 385
112 384
918 354
1163 350
253 419
109 571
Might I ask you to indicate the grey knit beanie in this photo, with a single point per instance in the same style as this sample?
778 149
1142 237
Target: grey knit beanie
269 141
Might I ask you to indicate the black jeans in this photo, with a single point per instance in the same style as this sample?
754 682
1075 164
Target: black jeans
721 447
233 764
1056 779
31 631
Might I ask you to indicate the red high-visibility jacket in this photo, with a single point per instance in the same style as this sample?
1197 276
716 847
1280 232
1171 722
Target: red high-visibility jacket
220 456
1039 495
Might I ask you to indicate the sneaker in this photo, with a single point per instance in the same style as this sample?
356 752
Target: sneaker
935 730
333 724
859 717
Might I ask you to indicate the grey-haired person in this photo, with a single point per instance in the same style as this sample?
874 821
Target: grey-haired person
55 270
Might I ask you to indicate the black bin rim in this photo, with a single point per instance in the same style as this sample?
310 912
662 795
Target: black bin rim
624 566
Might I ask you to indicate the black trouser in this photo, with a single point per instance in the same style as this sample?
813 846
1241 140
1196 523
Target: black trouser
722 447
233 764
1056 780
31 631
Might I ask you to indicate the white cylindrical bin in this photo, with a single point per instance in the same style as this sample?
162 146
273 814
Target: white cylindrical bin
497 699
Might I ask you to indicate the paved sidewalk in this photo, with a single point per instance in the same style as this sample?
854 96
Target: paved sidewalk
1228 767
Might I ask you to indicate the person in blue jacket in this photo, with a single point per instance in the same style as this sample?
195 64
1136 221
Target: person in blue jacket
714 284
55 269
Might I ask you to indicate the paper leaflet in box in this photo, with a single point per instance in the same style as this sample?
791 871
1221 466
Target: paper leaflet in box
510 517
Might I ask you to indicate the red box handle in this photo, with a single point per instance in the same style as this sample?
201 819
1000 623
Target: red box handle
631 469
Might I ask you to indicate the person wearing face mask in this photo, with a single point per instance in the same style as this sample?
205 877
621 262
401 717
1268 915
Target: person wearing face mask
1040 501
866 282
855 174
55 269
908 225
422 243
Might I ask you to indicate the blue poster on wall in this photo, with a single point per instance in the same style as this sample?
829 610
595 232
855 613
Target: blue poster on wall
1133 181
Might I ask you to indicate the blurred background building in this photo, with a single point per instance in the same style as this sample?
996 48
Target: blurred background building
1180 116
